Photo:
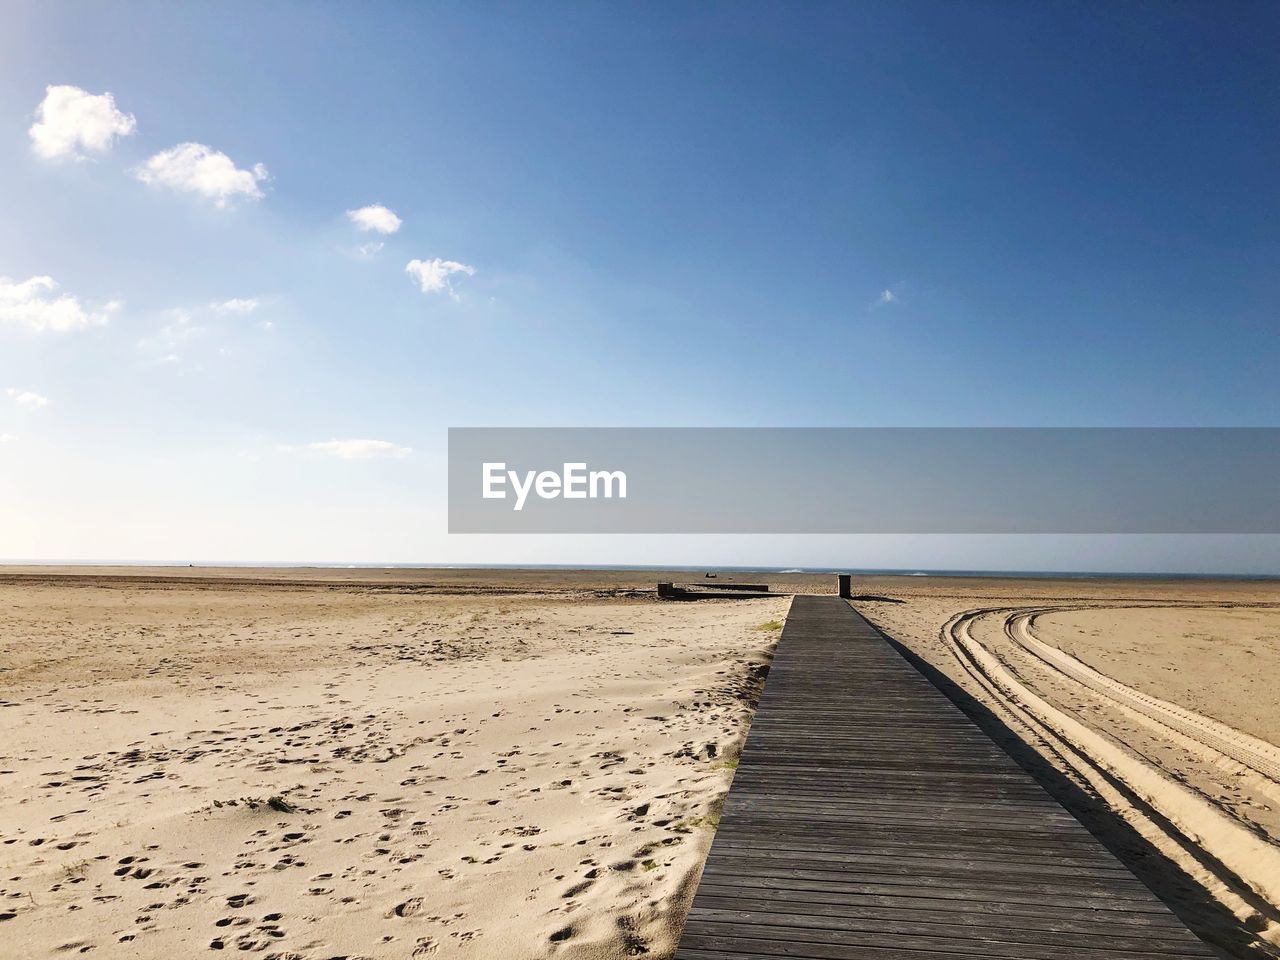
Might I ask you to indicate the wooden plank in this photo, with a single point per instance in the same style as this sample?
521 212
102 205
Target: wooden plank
869 817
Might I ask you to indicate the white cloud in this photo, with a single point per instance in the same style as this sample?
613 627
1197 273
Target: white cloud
195 168
886 296
375 217
7 438
33 304
367 251
27 399
433 275
72 123
359 449
237 305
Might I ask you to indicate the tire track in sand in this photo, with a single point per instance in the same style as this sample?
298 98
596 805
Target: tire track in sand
1239 867
1212 736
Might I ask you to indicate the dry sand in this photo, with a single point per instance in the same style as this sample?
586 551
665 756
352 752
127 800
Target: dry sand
496 773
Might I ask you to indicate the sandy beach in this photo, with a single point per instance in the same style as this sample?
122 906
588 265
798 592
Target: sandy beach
387 764
318 771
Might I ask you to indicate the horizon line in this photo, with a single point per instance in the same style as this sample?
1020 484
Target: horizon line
820 569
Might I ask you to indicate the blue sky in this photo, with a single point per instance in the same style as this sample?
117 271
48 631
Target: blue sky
717 214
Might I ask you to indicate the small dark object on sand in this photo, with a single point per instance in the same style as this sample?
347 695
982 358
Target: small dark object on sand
281 804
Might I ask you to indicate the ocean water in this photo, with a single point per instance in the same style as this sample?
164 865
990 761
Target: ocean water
682 568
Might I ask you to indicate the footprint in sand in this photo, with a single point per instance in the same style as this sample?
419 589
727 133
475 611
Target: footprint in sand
408 908
561 935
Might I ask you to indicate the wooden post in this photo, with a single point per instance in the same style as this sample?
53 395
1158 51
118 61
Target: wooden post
846 588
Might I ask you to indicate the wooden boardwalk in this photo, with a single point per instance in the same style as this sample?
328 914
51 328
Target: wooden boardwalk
869 817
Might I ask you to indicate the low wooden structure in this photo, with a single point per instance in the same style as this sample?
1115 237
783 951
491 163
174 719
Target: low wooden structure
713 591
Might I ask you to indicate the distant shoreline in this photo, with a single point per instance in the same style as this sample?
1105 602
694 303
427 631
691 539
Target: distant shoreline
95 565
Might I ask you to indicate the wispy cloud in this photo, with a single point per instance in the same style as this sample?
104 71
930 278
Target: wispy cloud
376 218
34 304
195 333
72 124
360 449
7 438
367 251
196 168
888 297
433 275
237 305
164 345
26 399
